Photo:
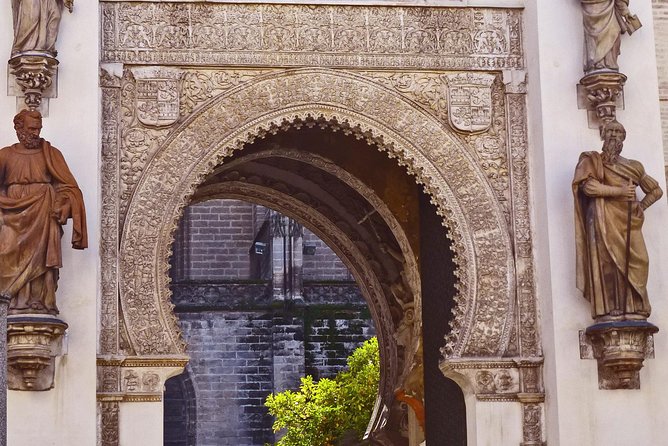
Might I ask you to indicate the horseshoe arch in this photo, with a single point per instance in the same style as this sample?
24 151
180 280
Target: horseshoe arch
430 151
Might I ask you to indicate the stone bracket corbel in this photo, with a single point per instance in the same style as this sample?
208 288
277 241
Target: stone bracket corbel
601 93
33 78
619 347
33 342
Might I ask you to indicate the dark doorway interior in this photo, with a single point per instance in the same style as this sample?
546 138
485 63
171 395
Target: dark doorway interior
445 411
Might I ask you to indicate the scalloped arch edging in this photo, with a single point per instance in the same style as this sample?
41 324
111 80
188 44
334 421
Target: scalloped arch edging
430 152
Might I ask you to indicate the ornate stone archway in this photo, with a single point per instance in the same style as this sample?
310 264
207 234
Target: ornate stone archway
430 151
400 78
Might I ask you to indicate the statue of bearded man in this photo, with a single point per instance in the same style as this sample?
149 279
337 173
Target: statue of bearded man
36 24
612 260
37 196
604 23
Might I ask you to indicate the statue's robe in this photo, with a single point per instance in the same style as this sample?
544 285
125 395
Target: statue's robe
36 25
602 33
33 184
601 225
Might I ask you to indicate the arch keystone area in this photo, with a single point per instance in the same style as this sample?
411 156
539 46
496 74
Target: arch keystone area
429 150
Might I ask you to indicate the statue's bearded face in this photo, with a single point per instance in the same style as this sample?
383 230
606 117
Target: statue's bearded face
613 142
28 133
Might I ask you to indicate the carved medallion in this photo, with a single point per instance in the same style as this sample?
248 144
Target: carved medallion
470 101
157 95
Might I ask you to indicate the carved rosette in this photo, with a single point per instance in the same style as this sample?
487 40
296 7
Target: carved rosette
620 349
33 342
34 74
601 93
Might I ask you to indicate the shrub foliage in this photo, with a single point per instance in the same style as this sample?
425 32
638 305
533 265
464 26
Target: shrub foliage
321 412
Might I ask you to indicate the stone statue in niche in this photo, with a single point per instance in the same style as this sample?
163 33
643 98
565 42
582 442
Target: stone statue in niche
36 24
612 261
38 194
604 23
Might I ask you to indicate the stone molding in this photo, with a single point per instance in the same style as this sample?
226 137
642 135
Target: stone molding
283 35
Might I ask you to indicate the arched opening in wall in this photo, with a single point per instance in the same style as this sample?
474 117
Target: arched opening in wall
261 301
180 411
378 221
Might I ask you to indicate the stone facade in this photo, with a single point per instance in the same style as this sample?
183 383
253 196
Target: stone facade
379 71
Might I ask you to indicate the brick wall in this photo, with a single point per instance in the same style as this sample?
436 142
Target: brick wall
213 241
660 8
324 264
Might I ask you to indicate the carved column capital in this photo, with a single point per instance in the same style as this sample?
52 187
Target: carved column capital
33 342
620 348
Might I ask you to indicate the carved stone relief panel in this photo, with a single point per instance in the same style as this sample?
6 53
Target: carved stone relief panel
276 35
483 92
111 98
317 86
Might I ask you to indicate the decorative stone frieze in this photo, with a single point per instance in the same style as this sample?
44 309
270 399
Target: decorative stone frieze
208 34
500 380
33 342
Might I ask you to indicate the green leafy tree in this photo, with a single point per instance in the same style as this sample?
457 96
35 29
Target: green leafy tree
321 412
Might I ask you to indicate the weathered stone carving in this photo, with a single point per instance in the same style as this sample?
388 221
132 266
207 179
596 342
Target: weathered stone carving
532 430
600 93
612 260
315 35
108 429
601 90
470 101
34 74
109 326
32 345
256 37
157 95
604 23
620 349
500 380
284 88
33 58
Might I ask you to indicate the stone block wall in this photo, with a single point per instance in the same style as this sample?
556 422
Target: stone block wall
213 241
232 373
247 347
324 264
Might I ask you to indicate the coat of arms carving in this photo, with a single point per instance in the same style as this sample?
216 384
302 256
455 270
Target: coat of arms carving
157 97
470 101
